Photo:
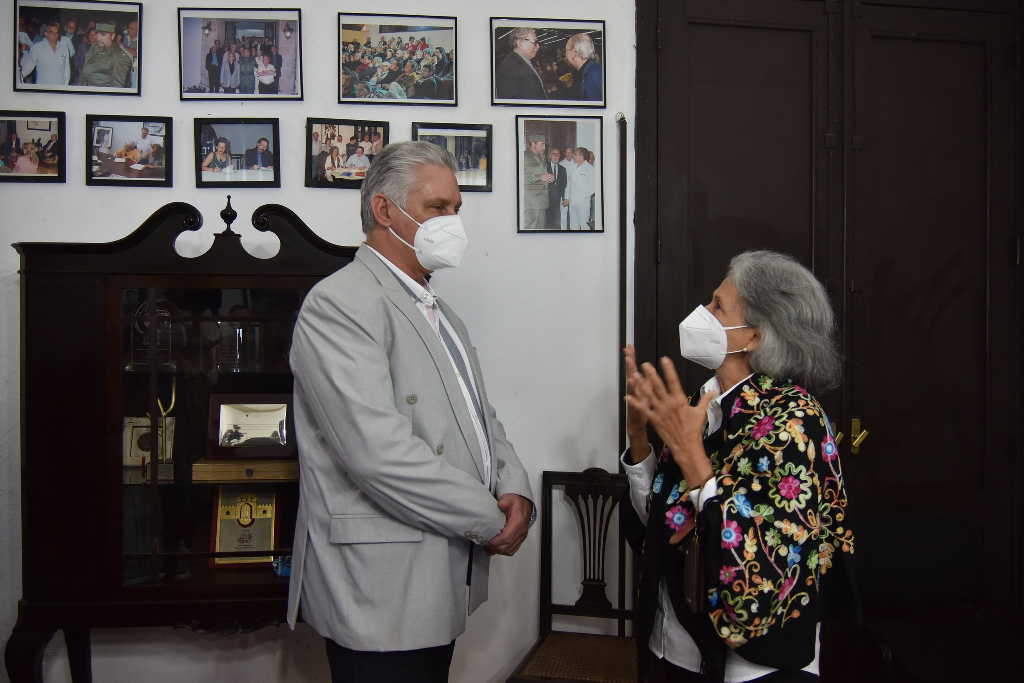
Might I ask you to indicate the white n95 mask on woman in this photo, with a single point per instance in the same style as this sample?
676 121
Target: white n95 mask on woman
702 338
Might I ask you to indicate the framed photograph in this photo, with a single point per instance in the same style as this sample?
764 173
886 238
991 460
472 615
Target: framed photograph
469 143
559 185
32 146
239 54
251 426
339 151
396 59
138 444
547 62
127 150
86 47
244 520
237 153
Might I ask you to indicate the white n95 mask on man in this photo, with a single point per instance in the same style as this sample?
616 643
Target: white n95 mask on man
702 339
440 241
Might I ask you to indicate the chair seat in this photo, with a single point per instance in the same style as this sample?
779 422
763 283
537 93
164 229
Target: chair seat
582 657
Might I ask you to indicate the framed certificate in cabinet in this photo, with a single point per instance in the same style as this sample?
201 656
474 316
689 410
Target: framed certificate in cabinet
244 520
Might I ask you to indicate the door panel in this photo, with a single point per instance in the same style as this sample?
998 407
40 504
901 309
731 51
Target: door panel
743 120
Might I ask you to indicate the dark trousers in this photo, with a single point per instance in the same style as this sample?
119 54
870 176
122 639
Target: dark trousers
670 673
429 665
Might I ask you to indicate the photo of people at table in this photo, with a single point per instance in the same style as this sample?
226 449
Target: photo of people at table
83 47
549 62
341 150
240 54
29 147
126 150
237 152
410 59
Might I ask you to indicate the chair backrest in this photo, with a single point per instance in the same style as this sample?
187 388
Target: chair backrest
592 495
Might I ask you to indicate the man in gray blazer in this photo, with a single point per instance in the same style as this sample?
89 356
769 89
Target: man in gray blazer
407 481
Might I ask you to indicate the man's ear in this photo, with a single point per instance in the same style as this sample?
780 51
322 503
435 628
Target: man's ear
381 210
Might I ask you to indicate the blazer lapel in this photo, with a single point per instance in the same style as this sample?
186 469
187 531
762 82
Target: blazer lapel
403 301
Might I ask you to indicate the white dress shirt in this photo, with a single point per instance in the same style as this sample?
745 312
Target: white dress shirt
426 302
669 640
52 64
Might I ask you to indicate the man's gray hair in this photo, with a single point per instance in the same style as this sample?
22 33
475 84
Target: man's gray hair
521 33
582 45
394 171
791 310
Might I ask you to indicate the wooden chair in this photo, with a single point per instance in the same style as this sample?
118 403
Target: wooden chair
583 657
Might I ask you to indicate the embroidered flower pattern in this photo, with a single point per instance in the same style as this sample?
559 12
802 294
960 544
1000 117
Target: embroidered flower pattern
658 481
783 509
677 516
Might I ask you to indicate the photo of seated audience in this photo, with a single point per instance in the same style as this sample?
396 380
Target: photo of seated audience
339 151
31 148
127 150
237 153
548 62
240 54
67 48
397 59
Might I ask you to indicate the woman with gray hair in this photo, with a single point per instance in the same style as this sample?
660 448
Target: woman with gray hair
744 512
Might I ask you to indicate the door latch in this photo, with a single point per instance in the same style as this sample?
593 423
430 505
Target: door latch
857 435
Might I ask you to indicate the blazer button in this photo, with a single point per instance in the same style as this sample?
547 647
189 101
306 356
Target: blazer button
411 399
440 449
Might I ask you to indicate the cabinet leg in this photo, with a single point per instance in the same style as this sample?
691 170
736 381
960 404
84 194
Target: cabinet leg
79 654
24 655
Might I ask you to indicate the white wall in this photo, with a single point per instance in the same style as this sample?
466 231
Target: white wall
541 308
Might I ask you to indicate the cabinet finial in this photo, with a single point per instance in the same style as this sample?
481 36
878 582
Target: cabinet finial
228 215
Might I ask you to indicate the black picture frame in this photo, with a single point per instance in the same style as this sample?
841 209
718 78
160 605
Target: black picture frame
207 134
444 87
121 14
201 28
467 170
318 173
554 81
102 166
580 216
10 151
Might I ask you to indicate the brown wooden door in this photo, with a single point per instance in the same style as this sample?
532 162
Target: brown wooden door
878 144
931 329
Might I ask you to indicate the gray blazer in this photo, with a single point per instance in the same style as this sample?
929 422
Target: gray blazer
393 508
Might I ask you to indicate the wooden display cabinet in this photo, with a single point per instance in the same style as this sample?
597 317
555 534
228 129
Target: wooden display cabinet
124 340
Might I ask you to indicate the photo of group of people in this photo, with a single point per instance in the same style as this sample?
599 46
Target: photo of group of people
240 54
547 62
469 143
340 151
31 146
560 174
127 150
92 47
237 153
400 59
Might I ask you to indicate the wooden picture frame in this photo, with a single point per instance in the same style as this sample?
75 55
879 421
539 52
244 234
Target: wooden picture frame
237 134
322 163
548 62
436 50
71 67
128 136
582 198
44 162
208 36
